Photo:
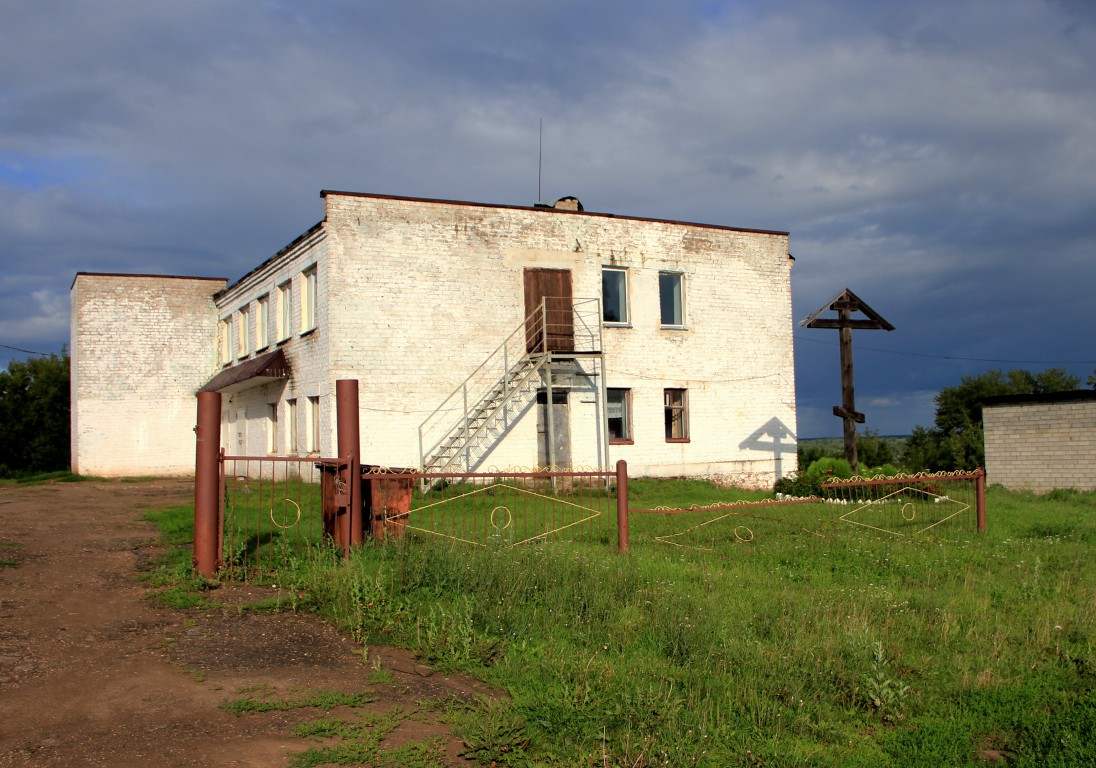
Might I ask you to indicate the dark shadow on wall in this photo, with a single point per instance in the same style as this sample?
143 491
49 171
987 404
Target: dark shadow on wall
772 437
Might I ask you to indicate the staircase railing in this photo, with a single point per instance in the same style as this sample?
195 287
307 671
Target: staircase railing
558 326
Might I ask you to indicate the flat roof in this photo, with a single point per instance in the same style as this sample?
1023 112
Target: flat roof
1046 397
132 274
548 209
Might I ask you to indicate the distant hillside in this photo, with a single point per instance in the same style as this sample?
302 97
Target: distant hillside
875 449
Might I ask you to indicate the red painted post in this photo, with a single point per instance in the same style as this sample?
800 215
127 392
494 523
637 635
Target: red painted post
980 499
349 449
622 505
207 473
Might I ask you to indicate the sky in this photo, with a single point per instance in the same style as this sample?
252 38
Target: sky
937 158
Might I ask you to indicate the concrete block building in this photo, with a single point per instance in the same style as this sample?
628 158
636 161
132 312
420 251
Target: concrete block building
481 335
1041 442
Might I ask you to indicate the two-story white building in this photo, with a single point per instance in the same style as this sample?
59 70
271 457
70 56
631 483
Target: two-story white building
665 343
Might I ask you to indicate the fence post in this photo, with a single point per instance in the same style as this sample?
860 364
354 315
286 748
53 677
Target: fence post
980 499
349 447
622 505
207 475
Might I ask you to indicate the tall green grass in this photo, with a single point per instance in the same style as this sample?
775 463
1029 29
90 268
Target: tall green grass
864 651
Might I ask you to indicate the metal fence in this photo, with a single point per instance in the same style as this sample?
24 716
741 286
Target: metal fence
278 510
273 510
492 508
892 508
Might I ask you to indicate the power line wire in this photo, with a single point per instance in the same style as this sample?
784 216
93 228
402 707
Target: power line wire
955 357
27 351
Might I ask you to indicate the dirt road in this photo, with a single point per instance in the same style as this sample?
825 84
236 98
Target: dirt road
94 673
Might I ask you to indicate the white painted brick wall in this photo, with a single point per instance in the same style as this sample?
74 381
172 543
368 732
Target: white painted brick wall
444 285
245 416
413 295
140 350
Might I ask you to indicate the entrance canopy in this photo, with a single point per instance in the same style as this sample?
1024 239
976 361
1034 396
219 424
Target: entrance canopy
250 373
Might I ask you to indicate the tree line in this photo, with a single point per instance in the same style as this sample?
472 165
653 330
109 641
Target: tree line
955 441
34 415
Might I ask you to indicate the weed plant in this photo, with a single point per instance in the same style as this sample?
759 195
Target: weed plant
863 652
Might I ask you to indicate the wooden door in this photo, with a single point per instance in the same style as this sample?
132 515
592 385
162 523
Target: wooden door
561 429
554 330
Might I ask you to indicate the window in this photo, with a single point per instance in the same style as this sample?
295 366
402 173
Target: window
308 300
224 341
272 428
671 299
614 295
677 414
619 412
285 310
262 322
291 425
312 425
243 333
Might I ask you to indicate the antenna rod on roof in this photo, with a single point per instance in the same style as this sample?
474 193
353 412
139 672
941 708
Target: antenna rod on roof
540 157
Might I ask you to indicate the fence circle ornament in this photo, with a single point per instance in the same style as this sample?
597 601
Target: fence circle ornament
494 523
296 520
908 511
744 538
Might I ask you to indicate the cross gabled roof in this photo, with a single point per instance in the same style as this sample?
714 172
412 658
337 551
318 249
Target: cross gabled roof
847 302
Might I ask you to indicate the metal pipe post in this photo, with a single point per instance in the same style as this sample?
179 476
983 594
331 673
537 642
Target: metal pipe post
206 481
349 448
980 499
622 505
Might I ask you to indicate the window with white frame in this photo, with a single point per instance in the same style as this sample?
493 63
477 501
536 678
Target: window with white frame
614 295
285 310
272 428
619 413
671 299
262 322
243 333
677 415
291 425
308 300
312 425
224 341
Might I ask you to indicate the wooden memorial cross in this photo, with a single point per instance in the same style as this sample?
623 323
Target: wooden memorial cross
845 304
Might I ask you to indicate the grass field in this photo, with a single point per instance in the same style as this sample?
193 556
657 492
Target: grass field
868 651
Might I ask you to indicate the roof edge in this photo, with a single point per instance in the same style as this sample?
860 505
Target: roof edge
549 210
138 274
1045 397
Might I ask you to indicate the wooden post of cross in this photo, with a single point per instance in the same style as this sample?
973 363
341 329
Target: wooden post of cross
845 304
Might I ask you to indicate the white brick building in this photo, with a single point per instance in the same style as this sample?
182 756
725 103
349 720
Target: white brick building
671 342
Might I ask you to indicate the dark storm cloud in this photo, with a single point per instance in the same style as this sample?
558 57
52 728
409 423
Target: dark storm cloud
937 158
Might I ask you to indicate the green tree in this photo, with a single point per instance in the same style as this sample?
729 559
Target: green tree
34 415
1092 380
956 441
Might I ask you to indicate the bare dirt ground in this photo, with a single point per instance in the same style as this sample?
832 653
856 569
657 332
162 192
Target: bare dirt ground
92 672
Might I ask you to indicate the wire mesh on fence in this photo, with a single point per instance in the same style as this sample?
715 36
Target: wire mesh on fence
891 508
509 508
279 509
937 504
717 526
273 511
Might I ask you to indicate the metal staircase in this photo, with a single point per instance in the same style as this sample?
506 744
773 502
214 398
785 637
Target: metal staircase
475 416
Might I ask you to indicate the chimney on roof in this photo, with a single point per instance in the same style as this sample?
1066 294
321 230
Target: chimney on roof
568 203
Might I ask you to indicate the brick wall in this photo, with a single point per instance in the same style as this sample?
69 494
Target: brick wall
442 285
247 420
141 347
1040 446
412 296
